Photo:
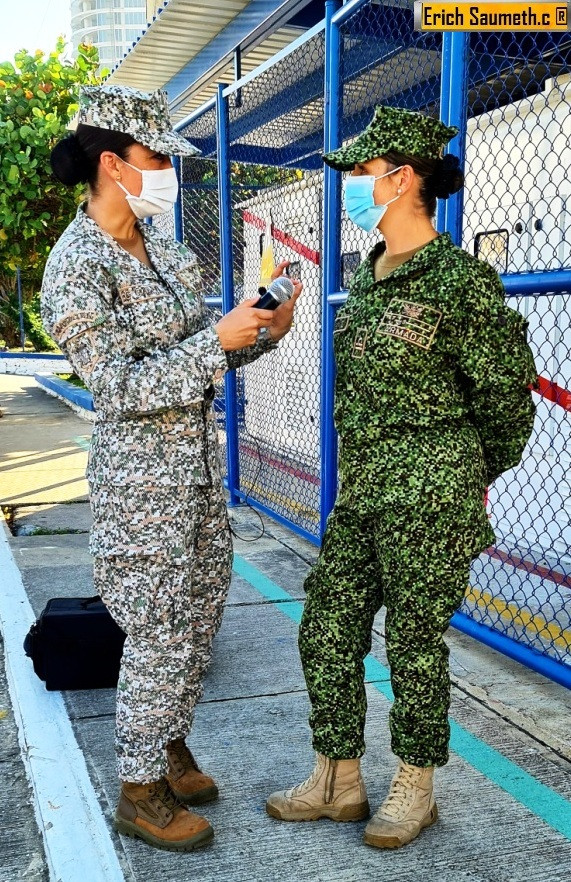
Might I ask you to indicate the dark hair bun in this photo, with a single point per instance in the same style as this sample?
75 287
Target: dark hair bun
68 161
447 177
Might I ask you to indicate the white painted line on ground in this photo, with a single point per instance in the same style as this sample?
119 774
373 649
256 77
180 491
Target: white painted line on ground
76 838
37 548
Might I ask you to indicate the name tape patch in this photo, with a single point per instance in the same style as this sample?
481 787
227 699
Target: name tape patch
415 323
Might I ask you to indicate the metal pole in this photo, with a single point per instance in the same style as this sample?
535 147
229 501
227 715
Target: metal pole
348 9
526 655
537 284
178 215
331 262
445 88
21 310
457 116
238 75
227 285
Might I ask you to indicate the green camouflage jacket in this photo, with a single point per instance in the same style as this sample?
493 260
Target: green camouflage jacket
433 375
144 344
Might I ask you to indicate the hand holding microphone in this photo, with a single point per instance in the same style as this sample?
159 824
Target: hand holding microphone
274 310
284 293
280 290
240 327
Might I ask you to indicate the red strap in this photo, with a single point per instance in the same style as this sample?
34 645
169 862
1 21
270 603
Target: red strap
550 390
285 238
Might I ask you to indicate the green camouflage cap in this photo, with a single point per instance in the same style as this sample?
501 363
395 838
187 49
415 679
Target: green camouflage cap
393 128
143 115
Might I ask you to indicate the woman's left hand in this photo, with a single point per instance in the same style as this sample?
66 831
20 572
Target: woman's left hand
283 314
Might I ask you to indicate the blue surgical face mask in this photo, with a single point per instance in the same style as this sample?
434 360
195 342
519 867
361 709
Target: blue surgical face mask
360 201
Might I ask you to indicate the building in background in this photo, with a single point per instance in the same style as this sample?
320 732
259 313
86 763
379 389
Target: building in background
110 25
153 7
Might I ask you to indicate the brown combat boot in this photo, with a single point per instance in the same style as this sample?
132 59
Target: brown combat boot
152 812
187 782
408 808
335 789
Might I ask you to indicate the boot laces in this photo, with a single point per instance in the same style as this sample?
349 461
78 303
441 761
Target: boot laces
162 797
401 792
182 757
309 782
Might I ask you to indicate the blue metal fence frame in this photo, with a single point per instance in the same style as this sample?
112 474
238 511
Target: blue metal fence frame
331 280
453 100
227 284
455 77
178 219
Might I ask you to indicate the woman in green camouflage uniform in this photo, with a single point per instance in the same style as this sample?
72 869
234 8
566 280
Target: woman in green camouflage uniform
123 302
432 405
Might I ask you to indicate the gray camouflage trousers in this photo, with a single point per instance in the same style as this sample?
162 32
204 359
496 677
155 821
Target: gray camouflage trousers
170 606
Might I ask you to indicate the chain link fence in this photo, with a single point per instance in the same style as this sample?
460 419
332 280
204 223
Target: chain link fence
279 436
515 215
276 127
199 229
276 206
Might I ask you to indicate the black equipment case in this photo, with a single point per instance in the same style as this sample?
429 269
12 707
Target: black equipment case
75 644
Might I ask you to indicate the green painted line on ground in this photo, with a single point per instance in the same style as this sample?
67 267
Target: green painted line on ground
267 588
84 443
540 799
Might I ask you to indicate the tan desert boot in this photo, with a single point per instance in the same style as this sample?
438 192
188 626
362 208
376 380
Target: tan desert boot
408 808
187 782
335 789
152 812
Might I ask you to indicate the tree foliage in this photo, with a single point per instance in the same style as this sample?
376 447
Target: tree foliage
38 98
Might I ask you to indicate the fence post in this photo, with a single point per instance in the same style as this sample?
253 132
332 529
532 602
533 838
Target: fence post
21 309
227 285
445 86
178 207
454 102
331 264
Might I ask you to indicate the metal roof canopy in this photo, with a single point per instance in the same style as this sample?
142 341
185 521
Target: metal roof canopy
300 144
190 44
262 132
292 137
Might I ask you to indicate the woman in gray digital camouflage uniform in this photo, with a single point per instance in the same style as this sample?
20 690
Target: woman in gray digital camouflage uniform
123 302
432 404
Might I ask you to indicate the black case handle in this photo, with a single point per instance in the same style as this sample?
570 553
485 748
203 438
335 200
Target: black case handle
89 600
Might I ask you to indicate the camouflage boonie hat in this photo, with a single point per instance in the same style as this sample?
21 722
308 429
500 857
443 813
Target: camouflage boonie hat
143 115
394 129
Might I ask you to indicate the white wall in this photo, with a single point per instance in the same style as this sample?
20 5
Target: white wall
28 365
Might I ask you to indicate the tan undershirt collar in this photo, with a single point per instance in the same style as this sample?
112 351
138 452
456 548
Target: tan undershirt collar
385 264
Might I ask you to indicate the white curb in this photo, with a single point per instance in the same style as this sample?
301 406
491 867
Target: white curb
77 842
87 415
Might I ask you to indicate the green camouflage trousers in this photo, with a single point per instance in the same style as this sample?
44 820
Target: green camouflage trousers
170 606
416 563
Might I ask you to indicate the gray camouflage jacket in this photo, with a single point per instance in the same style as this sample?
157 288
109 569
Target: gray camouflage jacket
143 342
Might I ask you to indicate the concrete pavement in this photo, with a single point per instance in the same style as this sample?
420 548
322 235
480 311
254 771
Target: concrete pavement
504 798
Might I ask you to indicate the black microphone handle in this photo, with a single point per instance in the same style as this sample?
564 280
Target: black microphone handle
267 301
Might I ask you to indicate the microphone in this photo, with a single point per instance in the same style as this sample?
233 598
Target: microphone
278 292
